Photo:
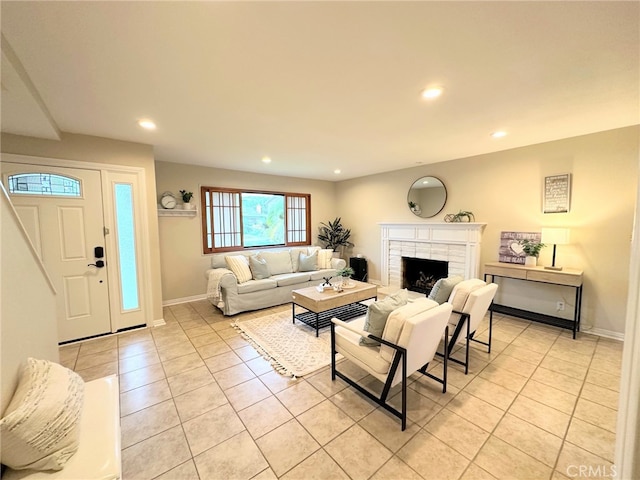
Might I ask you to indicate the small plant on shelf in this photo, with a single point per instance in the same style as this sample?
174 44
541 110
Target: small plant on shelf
531 247
186 196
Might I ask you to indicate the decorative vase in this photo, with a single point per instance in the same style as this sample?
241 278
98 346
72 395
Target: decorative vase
188 206
530 261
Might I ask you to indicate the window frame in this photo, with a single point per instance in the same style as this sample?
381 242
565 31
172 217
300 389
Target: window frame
204 190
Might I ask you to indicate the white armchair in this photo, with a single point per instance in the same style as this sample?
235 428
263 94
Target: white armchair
409 342
471 300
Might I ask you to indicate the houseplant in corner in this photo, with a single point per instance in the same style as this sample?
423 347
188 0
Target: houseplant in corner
334 235
186 198
532 249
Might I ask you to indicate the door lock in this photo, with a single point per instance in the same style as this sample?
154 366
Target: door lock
99 264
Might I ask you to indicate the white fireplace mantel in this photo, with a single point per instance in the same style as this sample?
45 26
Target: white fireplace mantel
456 243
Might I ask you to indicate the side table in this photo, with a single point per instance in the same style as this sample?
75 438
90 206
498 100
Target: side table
567 277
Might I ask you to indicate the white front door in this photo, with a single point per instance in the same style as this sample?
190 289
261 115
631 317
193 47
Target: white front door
61 209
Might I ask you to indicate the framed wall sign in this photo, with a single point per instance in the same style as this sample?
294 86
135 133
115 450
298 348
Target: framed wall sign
510 249
556 193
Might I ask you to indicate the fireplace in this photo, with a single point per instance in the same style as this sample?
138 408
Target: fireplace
455 243
421 274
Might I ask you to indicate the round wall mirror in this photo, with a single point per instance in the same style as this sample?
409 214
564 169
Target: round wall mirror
426 197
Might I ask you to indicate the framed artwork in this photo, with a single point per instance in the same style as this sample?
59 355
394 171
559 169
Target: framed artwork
556 193
510 249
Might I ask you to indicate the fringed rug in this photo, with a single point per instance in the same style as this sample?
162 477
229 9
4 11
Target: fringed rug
292 349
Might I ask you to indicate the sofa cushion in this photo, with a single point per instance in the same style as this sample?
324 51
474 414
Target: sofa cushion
239 265
308 263
257 285
279 262
443 287
40 430
291 278
378 312
259 267
295 255
324 258
320 274
396 320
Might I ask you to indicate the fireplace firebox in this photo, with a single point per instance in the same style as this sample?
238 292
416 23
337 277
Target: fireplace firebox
421 274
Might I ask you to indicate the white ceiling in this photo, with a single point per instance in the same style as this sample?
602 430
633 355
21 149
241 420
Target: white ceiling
320 85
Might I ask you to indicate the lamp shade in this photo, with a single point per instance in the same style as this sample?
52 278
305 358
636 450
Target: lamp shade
555 236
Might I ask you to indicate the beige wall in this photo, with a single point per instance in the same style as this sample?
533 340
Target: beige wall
28 326
183 263
102 150
504 190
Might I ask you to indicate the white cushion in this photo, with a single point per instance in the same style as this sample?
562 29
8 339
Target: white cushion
40 430
324 258
396 322
98 457
462 290
279 262
239 265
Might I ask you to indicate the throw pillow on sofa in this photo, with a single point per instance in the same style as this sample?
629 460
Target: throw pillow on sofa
259 268
324 258
239 265
41 427
377 315
308 263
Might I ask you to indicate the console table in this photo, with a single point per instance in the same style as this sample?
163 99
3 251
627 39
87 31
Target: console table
566 277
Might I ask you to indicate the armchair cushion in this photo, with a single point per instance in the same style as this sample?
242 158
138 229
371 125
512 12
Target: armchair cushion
396 321
461 292
443 287
378 312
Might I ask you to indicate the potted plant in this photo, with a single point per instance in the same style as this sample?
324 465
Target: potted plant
334 235
186 198
345 273
532 249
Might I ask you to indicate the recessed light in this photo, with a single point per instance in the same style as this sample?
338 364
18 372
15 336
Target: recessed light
337 171
499 134
266 160
431 92
147 124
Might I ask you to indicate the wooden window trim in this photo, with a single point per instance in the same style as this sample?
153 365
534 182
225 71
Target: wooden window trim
205 227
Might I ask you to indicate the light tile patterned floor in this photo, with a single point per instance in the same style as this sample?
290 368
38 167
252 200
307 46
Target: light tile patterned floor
197 402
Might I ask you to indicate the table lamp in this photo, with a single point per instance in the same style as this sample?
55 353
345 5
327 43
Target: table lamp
555 236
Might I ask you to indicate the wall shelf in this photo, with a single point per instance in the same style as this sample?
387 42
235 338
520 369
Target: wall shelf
176 212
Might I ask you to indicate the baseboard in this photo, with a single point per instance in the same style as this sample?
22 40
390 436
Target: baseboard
177 301
158 322
604 333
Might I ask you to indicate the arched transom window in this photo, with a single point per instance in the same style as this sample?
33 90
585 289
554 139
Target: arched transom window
44 184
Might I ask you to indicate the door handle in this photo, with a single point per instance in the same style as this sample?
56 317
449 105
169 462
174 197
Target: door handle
99 264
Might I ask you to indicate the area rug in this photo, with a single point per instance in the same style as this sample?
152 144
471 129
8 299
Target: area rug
292 349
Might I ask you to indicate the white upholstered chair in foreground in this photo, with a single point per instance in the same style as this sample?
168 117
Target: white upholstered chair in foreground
409 342
471 300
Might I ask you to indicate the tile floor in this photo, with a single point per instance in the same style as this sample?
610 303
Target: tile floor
197 402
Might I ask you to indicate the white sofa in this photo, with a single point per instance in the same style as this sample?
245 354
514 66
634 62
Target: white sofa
233 293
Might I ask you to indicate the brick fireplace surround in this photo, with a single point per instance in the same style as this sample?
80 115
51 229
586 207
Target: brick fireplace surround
456 243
